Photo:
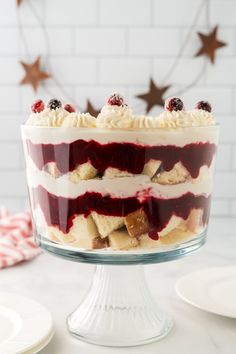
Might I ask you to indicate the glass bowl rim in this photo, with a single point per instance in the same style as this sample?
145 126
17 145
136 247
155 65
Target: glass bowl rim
107 130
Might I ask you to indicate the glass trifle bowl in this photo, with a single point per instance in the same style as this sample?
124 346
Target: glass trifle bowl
120 190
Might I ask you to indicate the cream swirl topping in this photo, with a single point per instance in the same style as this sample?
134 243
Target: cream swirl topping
175 119
145 122
48 117
200 117
115 117
121 117
172 119
79 120
61 118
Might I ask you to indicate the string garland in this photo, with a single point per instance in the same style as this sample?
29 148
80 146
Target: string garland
35 76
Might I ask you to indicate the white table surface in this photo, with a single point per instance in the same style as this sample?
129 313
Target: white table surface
60 285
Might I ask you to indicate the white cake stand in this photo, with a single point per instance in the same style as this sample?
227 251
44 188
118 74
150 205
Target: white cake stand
119 310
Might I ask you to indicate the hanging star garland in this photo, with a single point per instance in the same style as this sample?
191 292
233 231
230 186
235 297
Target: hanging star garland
90 108
210 44
33 74
154 97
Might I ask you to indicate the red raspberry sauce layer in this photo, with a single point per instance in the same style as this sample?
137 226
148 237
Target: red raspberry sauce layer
60 211
124 156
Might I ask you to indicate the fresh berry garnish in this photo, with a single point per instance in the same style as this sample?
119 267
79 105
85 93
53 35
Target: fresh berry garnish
153 234
174 104
115 100
38 106
54 104
69 108
204 105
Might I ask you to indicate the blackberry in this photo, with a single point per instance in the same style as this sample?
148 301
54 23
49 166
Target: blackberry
54 104
204 105
174 104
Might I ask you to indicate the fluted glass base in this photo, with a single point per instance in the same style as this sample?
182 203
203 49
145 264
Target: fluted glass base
118 310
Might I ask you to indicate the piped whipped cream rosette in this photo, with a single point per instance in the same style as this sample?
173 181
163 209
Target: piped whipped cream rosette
120 181
115 114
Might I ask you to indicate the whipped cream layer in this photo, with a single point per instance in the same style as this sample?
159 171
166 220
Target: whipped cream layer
178 137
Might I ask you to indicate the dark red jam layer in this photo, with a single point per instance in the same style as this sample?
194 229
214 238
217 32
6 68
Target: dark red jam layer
124 156
60 211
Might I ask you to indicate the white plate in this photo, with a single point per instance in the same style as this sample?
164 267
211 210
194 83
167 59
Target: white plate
41 345
24 324
212 290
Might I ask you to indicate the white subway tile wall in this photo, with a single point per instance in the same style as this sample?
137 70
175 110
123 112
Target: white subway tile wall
95 47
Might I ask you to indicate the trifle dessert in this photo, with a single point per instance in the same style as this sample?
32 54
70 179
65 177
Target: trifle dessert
120 182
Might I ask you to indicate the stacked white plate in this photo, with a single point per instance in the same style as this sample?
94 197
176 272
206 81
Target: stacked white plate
212 290
26 326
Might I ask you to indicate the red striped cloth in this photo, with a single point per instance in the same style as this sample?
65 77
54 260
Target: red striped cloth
16 241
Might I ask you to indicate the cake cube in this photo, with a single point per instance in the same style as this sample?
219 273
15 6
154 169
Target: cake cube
111 172
178 174
83 233
120 240
146 242
151 167
175 236
137 223
90 243
52 169
194 221
57 235
107 224
173 223
83 172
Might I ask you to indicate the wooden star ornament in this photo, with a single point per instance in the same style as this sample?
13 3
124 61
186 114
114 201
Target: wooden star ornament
210 44
90 109
33 74
154 97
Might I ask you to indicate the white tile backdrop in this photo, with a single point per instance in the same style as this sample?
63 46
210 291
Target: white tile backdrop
98 46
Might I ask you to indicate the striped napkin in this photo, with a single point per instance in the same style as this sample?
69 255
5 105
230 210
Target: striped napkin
16 241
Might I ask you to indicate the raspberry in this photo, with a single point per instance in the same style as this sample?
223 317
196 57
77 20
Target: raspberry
54 103
38 106
204 105
69 108
174 104
153 234
115 100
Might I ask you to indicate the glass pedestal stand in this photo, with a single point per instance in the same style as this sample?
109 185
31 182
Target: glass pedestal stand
118 309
